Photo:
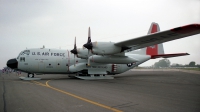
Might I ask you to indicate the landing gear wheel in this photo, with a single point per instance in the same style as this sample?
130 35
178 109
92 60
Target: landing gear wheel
30 75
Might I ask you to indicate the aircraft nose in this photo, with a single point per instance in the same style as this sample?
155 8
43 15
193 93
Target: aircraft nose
12 63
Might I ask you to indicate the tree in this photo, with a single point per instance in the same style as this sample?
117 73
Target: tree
192 64
162 63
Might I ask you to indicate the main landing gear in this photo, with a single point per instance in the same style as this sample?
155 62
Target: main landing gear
93 76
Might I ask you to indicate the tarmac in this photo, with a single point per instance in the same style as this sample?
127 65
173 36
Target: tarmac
133 91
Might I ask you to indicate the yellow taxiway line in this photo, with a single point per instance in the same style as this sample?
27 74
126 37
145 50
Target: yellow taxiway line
78 97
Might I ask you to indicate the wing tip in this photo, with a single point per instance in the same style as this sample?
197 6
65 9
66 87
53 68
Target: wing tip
187 54
187 28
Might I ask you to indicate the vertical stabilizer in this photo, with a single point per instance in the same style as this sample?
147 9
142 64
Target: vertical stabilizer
154 28
154 49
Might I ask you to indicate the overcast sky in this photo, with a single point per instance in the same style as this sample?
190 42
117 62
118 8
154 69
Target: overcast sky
55 23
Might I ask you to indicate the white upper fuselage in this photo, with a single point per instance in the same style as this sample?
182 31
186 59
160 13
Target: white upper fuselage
56 61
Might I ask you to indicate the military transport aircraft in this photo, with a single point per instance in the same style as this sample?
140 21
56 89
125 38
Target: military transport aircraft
100 59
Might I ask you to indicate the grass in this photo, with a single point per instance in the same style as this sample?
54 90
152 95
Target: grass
196 69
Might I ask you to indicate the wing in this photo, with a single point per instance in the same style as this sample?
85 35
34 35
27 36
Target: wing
160 37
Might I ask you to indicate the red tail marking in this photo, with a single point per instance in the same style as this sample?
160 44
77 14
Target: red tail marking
154 28
152 50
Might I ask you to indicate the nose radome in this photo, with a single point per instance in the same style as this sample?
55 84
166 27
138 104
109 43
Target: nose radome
12 63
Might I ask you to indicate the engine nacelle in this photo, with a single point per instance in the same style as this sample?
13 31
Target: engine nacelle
105 48
82 53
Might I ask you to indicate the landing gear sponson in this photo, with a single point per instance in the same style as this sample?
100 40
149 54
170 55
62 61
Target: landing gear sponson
92 76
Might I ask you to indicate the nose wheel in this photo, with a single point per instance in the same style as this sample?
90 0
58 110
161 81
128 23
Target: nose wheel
30 75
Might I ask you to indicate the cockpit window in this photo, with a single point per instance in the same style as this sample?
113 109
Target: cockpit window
26 52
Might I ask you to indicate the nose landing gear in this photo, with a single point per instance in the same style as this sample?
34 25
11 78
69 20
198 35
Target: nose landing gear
30 75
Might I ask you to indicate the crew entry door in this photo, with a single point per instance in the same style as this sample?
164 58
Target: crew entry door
41 66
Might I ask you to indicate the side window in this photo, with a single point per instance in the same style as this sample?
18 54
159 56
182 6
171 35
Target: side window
22 59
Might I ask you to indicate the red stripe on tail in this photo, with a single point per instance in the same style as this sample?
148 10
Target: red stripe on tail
154 28
152 50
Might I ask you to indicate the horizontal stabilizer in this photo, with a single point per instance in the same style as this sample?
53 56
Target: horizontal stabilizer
168 55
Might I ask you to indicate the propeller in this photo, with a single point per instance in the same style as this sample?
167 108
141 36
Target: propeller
74 51
88 45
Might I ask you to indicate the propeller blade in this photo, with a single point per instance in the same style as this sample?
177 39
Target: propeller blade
75 44
74 51
88 45
88 62
68 64
88 57
74 60
89 36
